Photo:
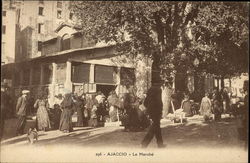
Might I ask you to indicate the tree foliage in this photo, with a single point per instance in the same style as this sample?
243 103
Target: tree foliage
221 37
173 34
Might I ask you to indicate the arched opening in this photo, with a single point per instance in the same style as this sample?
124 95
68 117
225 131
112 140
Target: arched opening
65 42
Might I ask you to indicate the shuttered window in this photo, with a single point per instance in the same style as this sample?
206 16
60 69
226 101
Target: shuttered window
80 72
104 74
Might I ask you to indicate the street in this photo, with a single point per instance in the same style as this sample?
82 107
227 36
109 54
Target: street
192 141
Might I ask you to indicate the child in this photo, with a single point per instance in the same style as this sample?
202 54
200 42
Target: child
186 106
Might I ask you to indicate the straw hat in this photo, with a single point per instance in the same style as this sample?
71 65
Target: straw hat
25 91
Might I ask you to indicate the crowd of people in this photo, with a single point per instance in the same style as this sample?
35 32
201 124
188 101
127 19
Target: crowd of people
95 109
79 110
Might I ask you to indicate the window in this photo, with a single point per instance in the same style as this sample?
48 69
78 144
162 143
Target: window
104 74
3 29
59 14
40 28
80 72
41 1
59 4
71 16
40 11
39 45
4 13
66 42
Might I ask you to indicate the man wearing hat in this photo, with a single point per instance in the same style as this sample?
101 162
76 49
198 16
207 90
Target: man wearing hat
154 105
21 108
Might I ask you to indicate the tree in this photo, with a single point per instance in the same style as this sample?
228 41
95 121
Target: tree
154 29
221 32
173 34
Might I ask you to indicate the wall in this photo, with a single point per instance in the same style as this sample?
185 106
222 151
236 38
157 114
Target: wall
8 39
29 18
51 47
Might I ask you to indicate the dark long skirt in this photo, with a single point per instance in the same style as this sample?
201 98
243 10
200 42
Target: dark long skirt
79 117
66 122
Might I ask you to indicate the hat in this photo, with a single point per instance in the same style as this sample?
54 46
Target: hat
66 91
25 91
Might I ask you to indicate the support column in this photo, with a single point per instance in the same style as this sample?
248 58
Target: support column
68 83
42 75
92 74
118 80
53 84
54 66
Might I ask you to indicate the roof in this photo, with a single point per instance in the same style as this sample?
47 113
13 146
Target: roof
66 24
65 52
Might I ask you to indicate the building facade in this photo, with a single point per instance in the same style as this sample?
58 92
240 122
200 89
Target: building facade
69 61
37 21
8 33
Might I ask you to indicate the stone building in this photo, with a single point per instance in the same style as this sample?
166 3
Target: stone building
8 33
69 61
37 21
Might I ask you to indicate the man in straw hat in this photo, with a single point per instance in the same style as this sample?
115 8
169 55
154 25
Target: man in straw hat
154 105
21 109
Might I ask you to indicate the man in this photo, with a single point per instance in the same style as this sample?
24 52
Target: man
3 109
21 109
154 105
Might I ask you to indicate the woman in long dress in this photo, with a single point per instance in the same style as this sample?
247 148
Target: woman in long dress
65 121
57 111
43 121
206 107
79 107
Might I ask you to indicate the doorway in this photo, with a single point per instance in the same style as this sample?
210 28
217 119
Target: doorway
105 89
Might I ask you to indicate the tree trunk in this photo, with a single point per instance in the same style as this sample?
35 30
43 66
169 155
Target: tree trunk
222 82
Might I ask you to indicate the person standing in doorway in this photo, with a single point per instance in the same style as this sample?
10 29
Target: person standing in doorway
154 105
21 109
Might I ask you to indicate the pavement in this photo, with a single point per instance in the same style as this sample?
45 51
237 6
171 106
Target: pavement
194 141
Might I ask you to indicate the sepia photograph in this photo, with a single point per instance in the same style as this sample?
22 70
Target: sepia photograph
124 81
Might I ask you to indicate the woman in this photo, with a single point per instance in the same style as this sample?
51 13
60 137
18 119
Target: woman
206 107
113 101
57 111
91 108
65 122
79 104
42 104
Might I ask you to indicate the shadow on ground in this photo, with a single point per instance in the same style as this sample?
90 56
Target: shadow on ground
212 135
